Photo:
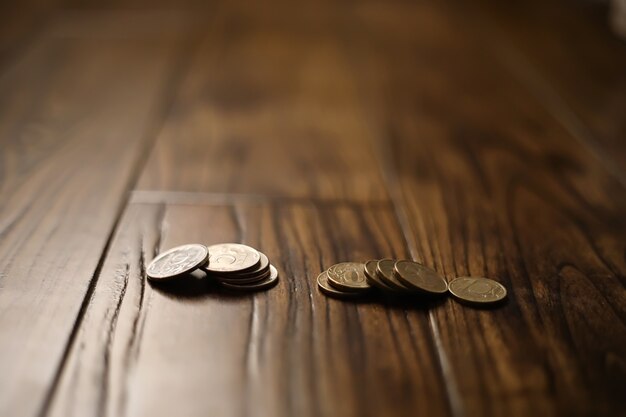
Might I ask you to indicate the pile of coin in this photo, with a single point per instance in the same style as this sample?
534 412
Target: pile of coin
354 279
234 266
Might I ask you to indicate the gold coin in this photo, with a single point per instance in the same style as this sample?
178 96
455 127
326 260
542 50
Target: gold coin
326 288
348 276
477 290
420 277
177 261
232 257
372 277
264 284
384 269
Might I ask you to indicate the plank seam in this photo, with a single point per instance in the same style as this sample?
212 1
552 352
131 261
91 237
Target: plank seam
218 198
180 64
519 68
556 106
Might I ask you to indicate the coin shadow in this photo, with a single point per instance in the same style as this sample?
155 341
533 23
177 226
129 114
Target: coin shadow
484 306
198 285
189 286
226 294
412 301
397 301
361 300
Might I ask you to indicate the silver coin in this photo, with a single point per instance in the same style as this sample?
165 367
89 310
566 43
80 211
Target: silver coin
177 261
261 275
264 284
232 257
262 268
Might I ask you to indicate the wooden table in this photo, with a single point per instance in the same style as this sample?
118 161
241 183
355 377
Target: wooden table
480 138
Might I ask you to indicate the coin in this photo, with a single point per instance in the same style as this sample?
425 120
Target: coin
262 268
264 284
477 290
177 261
348 276
420 277
245 280
326 288
372 276
384 269
232 257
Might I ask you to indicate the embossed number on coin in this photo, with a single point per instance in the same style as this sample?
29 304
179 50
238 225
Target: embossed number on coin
232 257
177 261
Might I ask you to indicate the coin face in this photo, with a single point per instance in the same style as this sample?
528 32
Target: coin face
477 290
264 284
326 288
263 267
232 257
420 277
348 276
256 275
384 269
177 261
372 276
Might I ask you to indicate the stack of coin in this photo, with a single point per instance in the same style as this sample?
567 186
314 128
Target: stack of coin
353 279
344 280
234 266
240 267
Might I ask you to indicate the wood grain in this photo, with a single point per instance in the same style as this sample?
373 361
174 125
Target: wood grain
502 191
21 23
288 351
74 114
472 138
276 116
576 67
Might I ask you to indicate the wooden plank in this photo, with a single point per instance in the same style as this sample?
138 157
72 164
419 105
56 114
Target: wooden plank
488 183
21 22
267 109
189 349
574 64
75 114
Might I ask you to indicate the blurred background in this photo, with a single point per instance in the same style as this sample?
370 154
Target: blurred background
280 75
476 136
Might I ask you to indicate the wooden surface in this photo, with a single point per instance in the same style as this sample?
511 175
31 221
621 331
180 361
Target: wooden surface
472 137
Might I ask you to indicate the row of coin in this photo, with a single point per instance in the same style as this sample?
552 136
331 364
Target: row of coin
354 279
235 266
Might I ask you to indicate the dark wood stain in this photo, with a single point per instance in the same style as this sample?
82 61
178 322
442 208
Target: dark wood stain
477 137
